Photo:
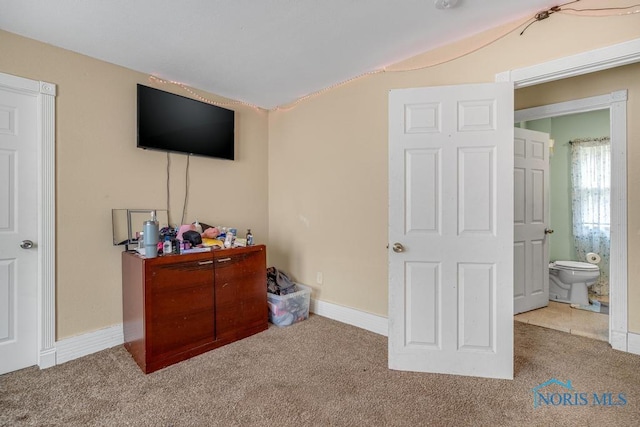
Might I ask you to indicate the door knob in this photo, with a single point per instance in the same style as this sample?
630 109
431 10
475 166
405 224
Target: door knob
397 247
548 231
26 244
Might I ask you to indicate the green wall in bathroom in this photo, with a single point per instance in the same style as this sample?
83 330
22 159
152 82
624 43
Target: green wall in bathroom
563 129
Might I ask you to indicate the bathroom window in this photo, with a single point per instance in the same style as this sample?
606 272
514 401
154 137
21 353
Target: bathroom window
591 196
591 181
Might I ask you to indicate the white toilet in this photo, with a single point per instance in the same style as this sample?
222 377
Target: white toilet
568 281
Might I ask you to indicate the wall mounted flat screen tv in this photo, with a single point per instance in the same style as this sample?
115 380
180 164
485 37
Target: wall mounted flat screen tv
174 123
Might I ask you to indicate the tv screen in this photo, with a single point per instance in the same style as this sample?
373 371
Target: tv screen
169 122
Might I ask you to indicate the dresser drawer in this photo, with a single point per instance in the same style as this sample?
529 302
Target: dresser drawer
239 267
176 275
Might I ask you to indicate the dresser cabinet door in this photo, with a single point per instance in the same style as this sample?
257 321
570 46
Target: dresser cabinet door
240 293
179 307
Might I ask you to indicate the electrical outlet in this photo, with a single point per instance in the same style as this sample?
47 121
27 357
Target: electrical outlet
319 277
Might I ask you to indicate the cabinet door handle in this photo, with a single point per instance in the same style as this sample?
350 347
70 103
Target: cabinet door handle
224 259
205 262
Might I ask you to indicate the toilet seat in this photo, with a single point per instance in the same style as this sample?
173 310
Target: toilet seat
575 265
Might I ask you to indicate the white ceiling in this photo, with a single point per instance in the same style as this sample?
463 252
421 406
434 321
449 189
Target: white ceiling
263 52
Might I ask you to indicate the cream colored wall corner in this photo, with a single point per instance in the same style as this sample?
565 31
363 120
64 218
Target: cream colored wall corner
328 188
99 168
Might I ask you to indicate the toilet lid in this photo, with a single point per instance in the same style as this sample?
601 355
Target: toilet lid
576 265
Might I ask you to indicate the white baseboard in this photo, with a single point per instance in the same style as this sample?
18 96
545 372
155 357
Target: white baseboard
47 358
85 344
619 340
92 342
351 316
633 343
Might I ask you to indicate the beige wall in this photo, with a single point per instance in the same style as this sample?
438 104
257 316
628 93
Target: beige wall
328 191
98 167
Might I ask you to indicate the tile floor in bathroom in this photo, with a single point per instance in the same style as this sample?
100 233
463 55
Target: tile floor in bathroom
563 317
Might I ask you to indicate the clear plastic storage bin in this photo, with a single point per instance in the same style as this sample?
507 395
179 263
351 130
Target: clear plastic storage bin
285 310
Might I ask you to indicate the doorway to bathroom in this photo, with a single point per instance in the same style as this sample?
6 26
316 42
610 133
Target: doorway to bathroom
589 74
579 148
546 97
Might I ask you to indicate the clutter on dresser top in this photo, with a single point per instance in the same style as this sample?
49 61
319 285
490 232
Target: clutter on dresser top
151 235
197 237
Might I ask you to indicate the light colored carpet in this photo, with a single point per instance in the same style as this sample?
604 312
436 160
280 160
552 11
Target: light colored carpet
322 373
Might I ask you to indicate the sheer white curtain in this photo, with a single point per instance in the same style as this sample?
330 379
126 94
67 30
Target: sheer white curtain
591 193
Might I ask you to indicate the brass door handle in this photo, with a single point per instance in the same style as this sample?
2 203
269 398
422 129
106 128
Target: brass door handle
548 231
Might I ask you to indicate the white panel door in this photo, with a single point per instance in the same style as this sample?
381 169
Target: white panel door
18 223
531 218
450 230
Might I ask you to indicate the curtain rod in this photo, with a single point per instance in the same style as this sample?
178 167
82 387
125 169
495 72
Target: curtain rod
599 139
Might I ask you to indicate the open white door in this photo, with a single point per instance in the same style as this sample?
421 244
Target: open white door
451 230
531 219
18 230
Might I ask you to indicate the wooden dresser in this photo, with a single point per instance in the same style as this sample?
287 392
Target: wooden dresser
179 306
